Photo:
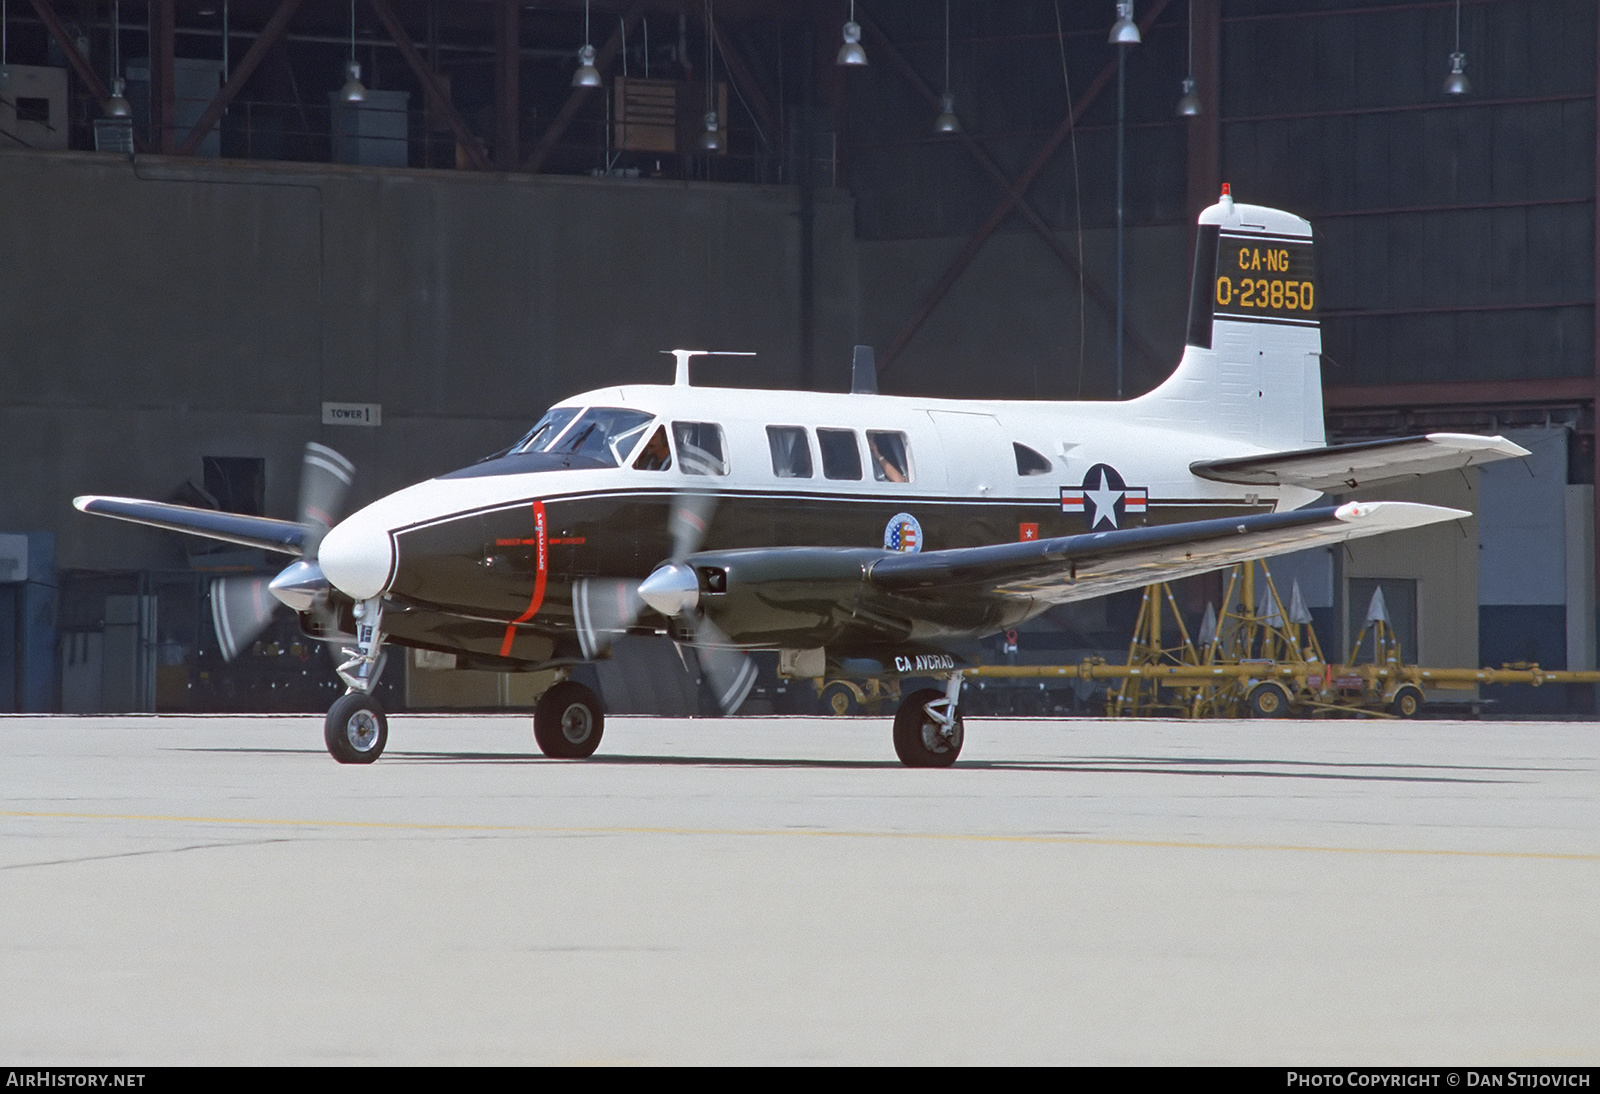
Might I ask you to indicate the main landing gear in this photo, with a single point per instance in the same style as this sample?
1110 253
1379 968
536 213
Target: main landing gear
568 722
356 728
927 727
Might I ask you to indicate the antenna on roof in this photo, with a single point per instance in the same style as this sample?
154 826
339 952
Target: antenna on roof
864 374
681 374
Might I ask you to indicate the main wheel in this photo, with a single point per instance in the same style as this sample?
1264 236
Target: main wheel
1407 702
356 729
919 740
1268 701
839 699
568 722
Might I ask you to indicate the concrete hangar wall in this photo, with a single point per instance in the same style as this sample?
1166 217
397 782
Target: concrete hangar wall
167 321
158 312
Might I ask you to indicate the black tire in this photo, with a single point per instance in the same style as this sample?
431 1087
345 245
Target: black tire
1407 702
568 722
1268 701
839 700
356 729
917 740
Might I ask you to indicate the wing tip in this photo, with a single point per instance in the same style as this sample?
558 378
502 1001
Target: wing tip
1497 447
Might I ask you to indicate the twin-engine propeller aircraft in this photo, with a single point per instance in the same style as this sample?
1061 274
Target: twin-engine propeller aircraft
858 534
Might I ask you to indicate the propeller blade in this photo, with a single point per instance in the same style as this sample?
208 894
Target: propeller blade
325 478
691 516
241 608
730 672
602 609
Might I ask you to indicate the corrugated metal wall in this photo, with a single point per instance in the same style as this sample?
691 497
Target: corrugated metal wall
1458 234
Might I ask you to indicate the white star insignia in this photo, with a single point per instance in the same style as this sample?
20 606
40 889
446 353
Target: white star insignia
1105 502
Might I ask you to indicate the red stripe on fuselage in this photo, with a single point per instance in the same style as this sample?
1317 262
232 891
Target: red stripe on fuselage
540 572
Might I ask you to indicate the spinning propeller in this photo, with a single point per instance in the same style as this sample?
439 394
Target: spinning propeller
241 607
604 608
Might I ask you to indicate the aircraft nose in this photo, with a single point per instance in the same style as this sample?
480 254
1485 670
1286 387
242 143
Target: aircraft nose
358 558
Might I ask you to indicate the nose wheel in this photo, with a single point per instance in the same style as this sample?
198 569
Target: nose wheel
356 729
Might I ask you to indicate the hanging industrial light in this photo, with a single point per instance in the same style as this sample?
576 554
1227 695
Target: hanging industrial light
1456 83
587 75
1189 104
851 52
1125 32
711 137
352 91
117 106
947 122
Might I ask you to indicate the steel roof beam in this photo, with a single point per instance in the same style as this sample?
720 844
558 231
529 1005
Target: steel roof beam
270 35
580 95
739 71
882 44
440 101
77 61
507 71
1018 188
163 90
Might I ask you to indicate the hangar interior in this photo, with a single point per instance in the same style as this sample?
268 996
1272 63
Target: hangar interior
218 249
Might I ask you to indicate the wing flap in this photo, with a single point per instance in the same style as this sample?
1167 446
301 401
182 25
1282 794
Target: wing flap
283 536
1363 463
1097 563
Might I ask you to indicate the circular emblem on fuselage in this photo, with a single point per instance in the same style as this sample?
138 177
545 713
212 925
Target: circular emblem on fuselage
903 534
1105 499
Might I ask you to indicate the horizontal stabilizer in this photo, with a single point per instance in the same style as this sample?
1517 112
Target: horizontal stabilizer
283 536
1364 463
1097 563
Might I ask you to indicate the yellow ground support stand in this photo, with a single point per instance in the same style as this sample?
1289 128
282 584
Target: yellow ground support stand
1262 662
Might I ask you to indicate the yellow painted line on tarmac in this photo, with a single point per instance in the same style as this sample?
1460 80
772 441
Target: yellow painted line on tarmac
959 837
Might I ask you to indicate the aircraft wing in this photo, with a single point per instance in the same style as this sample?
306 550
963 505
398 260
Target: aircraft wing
1364 463
1096 563
283 536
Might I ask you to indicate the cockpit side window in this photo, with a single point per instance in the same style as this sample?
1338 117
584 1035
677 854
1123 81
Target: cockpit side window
841 456
890 460
601 433
548 429
1030 461
699 448
655 455
791 454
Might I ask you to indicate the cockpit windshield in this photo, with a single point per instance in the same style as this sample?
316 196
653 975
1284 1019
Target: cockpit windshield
606 434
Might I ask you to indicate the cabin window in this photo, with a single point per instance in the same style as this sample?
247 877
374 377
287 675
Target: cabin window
841 456
699 448
1030 461
890 462
655 455
791 455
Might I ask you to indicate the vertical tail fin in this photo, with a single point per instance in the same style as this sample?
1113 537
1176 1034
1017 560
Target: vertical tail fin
1251 369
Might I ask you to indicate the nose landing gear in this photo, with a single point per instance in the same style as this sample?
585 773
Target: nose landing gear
356 728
